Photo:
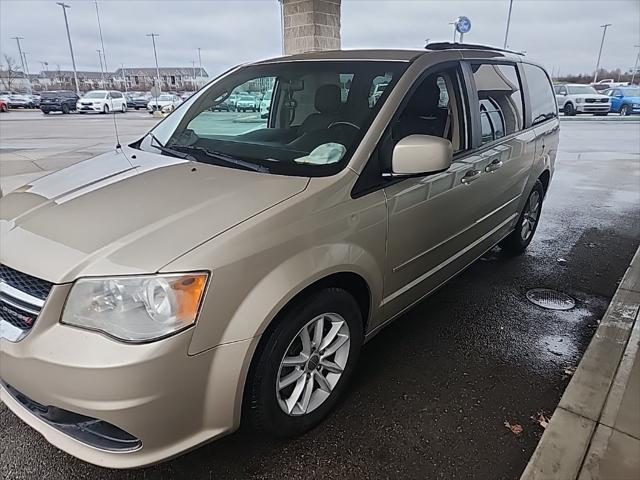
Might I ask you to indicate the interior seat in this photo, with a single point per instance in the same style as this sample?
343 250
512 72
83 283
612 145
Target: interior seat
423 115
327 103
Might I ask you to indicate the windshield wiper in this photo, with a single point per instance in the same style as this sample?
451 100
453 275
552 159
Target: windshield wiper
169 151
223 158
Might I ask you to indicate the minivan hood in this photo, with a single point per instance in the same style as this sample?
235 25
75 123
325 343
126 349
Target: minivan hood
128 212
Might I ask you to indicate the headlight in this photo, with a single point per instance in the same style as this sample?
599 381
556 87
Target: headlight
578 100
136 309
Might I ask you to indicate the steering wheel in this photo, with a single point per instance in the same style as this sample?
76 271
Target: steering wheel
349 124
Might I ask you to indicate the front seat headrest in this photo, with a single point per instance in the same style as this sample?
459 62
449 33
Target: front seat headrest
328 99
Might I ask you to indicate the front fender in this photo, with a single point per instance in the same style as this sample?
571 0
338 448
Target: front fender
260 305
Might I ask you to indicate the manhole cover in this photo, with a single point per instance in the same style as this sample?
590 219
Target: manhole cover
550 299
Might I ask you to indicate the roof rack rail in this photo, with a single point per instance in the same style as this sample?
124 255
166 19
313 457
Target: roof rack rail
466 46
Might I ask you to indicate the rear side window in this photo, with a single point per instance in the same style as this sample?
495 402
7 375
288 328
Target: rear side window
500 96
543 103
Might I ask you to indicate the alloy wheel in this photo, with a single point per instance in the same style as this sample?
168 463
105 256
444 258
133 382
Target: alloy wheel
313 364
530 216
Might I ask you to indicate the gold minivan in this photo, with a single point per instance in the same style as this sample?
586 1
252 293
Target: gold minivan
230 265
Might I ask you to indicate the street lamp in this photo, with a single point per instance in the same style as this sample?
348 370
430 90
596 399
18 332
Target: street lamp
506 33
604 32
101 41
635 66
155 54
200 62
101 69
454 31
73 60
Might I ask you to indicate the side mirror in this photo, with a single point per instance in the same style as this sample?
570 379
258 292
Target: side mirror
420 155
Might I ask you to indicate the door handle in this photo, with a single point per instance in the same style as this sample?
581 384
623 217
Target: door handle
493 166
470 176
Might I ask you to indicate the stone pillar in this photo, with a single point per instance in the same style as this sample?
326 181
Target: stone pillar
310 25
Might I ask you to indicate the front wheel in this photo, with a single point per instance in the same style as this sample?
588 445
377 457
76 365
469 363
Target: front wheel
105 110
65 109
521 237
569 110
298 375
625 110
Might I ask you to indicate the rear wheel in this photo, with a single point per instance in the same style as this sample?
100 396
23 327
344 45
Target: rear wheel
65 109
521 237
569 110
298 375
46 112
625 110
123 108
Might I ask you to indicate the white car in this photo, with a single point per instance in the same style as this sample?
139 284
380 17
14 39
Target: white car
576 98
102 101
246 102
165 103
265 104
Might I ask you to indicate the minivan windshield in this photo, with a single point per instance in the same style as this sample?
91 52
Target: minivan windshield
581 90
95 95
312 118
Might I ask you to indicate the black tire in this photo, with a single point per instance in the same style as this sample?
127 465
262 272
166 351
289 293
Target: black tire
569 109
625 110
65 109
105 109
516 243
46 112
261 400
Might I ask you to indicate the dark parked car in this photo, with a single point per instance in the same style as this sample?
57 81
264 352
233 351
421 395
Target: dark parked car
58 101
137 100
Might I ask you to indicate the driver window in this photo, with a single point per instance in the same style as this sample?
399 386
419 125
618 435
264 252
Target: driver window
434 108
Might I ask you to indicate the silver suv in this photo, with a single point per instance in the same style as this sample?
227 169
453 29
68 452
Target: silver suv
226 267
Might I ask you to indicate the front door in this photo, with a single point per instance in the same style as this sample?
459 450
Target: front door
438 224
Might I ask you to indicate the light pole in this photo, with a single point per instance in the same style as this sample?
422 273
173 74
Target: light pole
635 66
193 72
124 76
26 67
101 69
101 41
454 31
155 54
604 32
22 60
506 33
200 62
73 60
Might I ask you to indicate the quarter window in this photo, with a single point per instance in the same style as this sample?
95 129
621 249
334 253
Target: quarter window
500 96
543 104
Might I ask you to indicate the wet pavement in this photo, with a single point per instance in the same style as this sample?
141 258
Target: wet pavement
433 390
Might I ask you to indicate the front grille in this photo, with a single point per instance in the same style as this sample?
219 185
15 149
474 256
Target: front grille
21 300
26 283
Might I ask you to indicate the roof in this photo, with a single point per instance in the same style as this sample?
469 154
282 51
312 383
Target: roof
353 55
151 71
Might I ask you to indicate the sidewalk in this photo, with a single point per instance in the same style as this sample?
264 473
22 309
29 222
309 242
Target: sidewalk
594 433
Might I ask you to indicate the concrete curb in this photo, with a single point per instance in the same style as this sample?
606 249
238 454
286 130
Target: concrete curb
580 429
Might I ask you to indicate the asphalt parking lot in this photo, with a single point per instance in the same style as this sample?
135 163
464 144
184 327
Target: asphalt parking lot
433 390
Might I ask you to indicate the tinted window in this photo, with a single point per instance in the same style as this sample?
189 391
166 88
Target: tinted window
500 96
543 103
116 95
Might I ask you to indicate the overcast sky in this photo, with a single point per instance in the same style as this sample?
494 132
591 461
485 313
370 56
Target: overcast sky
562 34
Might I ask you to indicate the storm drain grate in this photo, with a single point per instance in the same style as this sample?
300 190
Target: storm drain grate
550 299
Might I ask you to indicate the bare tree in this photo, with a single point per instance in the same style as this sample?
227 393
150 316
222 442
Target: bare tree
12 72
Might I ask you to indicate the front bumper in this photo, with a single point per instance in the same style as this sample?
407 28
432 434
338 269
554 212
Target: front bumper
592 107
89 108
154 392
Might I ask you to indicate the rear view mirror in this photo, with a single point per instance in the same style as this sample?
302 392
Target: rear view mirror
420 155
